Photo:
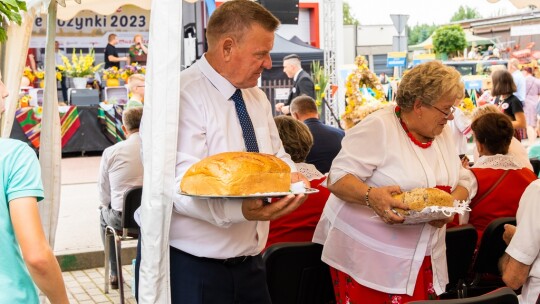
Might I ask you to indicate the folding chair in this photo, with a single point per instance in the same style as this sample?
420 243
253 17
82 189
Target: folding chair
503 295
487 276
296 275
535 162
130 231
460 246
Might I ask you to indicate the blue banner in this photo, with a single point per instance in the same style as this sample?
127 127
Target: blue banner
396 59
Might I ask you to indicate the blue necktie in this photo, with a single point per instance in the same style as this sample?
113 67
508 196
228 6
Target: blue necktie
245 122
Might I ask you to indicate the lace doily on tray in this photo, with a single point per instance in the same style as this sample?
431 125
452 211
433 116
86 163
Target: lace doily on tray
436 213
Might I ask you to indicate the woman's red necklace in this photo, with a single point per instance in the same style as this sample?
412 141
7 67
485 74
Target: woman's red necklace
409 134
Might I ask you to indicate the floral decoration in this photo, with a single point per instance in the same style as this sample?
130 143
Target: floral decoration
320 80
80 65
112 73
467 106
24 100
131 69
363 94
27 72
40 74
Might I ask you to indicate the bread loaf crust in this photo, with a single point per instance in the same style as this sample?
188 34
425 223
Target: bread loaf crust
419 198
237 173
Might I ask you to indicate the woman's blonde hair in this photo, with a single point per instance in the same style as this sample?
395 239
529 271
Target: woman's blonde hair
487 108
135 37
135 80
428 82
295 136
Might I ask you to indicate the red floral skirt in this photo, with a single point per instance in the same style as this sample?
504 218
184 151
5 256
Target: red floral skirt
348 291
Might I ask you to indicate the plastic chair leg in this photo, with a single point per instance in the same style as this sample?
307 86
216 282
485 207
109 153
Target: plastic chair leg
118 247
106 262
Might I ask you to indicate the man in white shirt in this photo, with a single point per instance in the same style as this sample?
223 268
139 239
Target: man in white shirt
520 265
216 243
519 79
121 169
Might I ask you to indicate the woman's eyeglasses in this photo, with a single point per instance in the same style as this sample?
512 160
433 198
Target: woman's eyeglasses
446 114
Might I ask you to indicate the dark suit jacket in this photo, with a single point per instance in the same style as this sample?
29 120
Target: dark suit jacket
326 144
302 86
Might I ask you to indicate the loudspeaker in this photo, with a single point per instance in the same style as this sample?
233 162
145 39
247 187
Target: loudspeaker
285 10
83 97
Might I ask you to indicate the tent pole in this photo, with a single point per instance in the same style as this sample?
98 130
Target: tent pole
50 149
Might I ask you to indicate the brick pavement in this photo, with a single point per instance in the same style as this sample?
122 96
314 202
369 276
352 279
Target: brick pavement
86 286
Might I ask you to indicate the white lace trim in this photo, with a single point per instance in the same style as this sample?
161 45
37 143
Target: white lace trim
498 161
309 171
436 213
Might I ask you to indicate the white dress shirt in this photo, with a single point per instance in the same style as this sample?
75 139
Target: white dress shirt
208 124
121 169
525 244
385 257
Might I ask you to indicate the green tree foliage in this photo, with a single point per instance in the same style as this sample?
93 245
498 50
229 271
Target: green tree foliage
348 17
449 39
419 33
465 13
10 11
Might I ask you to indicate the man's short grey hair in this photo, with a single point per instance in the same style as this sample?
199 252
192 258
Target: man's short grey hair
295 61
131 118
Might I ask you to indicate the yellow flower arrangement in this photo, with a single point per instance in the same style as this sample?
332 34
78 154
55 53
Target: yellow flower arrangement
39 74
80 66
111 73
27 72
320 79
466 106
363 94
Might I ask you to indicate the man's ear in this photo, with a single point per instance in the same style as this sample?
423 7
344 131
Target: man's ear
227 46
125 130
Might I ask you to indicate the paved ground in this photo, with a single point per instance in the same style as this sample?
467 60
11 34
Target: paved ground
86 286
78 232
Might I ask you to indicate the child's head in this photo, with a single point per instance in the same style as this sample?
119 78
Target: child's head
136 85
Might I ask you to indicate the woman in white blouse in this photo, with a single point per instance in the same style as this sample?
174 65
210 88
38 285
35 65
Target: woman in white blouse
373 258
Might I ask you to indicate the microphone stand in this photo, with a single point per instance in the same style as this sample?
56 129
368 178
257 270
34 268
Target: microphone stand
330 108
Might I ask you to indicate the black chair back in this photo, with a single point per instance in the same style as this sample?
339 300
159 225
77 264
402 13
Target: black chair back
503 295
460 246
535 162
492 247
132 201
296 274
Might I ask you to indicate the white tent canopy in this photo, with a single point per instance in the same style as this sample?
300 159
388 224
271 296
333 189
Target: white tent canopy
72 8
159 133
521 3
471 40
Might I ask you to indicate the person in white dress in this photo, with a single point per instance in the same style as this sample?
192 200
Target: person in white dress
397 148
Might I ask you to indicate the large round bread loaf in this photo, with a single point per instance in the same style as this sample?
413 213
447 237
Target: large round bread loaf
237 173
419 198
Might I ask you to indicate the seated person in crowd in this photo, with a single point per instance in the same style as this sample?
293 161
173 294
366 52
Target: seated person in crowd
136 88
326 139
299 225
516 149
121 169
519 265
500 180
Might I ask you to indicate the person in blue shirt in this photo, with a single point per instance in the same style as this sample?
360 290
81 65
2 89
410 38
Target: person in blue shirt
26 257
326 139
